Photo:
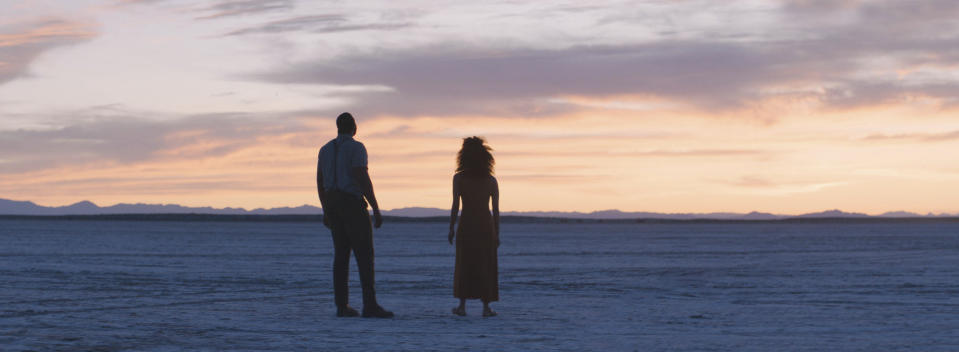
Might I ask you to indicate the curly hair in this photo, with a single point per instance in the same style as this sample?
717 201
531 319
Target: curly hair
474 158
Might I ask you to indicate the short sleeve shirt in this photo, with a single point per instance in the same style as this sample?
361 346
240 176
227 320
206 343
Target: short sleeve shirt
350 153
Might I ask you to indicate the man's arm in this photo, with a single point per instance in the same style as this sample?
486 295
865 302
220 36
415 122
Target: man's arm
320 191
361 175
319 185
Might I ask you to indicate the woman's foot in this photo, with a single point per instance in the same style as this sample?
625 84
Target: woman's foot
488 312
461 311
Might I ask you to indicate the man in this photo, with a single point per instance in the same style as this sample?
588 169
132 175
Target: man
342 181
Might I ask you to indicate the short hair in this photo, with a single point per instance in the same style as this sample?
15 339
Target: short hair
345 123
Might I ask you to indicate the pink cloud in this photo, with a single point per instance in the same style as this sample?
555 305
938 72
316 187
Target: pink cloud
22 45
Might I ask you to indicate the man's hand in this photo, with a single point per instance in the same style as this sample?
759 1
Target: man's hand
451 235
377 218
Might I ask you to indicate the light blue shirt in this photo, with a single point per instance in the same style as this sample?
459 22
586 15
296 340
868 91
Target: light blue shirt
350 154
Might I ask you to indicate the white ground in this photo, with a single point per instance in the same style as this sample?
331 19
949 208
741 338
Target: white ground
177 286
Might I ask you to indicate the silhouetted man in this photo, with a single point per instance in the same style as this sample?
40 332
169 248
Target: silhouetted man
342 181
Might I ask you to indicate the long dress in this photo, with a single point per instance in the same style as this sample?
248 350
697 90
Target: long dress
476 274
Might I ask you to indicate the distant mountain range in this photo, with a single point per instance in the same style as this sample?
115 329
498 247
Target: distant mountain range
12 207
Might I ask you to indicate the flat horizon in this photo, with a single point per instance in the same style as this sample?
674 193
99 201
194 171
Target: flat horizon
824 210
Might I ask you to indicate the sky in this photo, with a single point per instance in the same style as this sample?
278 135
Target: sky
788 106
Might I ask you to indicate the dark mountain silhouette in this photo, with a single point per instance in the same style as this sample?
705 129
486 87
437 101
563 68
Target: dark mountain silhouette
417 212
835 213
761 216
902 214
12 207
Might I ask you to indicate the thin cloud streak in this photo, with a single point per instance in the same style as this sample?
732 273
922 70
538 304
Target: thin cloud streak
327 23
22 44
644 153
766 187
244 7
921 137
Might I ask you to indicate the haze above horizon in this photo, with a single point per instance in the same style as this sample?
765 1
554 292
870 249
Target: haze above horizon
690 106
13 207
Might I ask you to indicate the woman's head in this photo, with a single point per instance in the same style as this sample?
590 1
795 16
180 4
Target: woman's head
474 158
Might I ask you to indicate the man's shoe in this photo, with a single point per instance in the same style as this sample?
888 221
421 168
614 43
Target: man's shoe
377 312
346 312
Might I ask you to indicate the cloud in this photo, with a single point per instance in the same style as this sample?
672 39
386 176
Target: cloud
121 136
671 153
752 181
20 45
133 2
818 6
555 179
449 78
232 8
698 152
763 186
921 137
329 23
292 24
858 93
848 61
457 131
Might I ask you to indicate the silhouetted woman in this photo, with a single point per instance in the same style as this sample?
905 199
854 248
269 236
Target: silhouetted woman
477 236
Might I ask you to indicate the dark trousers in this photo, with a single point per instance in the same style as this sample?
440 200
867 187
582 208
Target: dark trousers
352 231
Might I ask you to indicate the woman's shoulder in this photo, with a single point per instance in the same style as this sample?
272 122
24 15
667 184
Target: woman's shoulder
460 178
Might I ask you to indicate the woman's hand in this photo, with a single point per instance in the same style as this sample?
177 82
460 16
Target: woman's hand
451 236
377 218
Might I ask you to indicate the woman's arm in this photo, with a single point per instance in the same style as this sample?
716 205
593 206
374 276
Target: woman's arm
495 210
454 211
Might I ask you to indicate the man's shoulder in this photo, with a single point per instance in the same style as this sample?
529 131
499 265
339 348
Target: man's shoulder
356 144
327 145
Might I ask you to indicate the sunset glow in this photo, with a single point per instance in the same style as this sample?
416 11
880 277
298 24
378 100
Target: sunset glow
666 106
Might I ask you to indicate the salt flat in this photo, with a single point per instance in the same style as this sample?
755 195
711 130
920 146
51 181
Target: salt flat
246 286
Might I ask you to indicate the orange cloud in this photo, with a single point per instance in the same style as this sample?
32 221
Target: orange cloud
27 41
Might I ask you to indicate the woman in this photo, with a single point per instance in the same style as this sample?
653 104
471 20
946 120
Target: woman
477 236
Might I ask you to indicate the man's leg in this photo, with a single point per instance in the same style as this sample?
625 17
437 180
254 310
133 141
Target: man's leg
361 239
341 261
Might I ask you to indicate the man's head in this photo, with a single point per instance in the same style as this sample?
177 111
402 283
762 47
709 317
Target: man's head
345 124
